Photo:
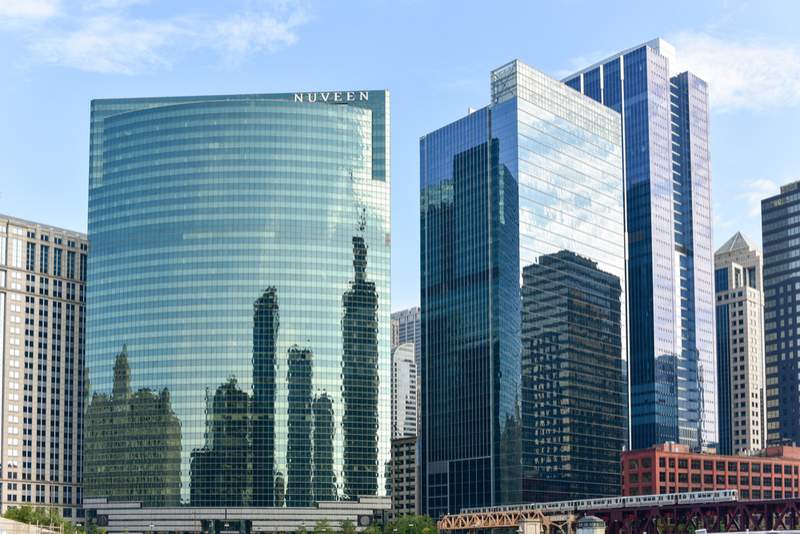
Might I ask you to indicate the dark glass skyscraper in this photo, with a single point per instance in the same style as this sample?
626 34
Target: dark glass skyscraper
505 192
780 228
241 283
670 266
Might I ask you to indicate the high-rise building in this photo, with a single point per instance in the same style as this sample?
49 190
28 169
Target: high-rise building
42 323
669 224
740 346
507 190
406 329
404 392
779 227
241 285
405 490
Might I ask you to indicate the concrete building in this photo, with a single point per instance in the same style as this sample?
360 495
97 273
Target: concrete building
774 473
404 392
740 346
405 491
42 314
665 125
780 227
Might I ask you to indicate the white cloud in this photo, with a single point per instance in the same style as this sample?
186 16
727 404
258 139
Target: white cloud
17 11
108 44
104 37
750 74
754 192
249 33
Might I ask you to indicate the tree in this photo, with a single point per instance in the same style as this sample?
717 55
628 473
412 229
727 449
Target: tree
322 527
42 516
412 524
348 527
372 529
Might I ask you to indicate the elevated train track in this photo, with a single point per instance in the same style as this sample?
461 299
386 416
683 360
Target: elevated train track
719 511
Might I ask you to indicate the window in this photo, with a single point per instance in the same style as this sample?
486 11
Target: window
683 463
696 464
662 462
70 264
44 259
30 264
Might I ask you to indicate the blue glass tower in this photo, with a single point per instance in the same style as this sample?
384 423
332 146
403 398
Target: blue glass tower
780 226
522 210
239 322
670 271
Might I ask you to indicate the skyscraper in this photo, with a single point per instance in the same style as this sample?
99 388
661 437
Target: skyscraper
406 329
404 392
534 175
669 224
740 346
243 247
779 226
42 318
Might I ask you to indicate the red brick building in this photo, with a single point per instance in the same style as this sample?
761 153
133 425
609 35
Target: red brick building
672 468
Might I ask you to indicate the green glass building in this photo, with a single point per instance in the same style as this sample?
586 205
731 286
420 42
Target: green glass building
239 313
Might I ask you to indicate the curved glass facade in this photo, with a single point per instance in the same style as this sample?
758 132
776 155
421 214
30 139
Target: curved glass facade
238 329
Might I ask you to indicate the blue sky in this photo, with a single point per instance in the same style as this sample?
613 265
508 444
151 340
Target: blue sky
434 57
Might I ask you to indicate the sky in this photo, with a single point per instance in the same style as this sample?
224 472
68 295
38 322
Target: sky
433 56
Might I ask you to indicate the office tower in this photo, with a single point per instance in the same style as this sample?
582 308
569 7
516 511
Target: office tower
42 314
533 176
779 225
573 383
404 392
740 346
406 329
243 248
669 224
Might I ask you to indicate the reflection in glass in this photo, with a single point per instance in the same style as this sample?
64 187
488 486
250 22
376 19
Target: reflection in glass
265 338
221 469
323 478
133 443
298 452
360 379
573 385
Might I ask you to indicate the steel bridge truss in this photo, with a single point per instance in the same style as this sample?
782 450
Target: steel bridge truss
737 516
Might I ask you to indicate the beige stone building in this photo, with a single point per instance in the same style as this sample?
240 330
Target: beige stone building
740 346
42 302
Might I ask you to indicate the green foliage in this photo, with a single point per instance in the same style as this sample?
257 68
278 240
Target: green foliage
412 524
302 530
372 529
323 527
42 516
348 527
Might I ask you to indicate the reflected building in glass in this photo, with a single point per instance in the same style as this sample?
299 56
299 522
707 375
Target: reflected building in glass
239 299
522 208
671 265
